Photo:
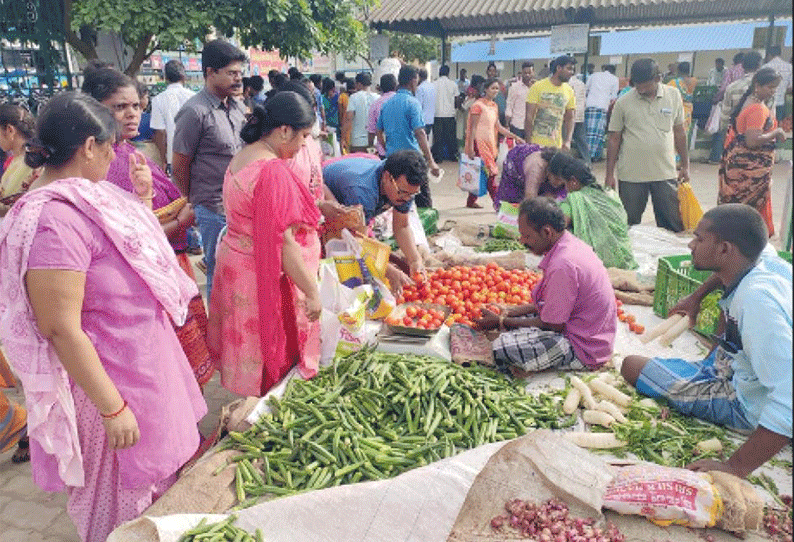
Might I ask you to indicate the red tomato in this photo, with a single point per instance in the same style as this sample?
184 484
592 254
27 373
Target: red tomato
407 321
411 311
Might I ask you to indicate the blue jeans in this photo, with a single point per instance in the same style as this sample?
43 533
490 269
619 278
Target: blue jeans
210 225
717 146
193 237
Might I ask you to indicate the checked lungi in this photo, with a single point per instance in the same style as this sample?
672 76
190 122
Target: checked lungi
533 350
595 122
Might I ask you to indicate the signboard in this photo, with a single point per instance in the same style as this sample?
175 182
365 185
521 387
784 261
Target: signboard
378 47
569 38
760 36
615 60
262 62
685 57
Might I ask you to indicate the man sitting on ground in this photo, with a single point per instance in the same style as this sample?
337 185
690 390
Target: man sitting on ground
745 382
377 185
572 322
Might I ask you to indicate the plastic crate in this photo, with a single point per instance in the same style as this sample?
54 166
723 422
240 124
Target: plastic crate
676 279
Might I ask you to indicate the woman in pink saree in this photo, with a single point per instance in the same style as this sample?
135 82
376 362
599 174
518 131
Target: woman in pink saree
270 251
88 289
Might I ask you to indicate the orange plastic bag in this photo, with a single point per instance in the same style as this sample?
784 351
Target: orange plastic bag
691 211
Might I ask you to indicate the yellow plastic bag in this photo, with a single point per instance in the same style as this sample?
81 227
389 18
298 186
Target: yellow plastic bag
691 211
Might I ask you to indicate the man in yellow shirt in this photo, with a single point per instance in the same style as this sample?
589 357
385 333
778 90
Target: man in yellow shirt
550 107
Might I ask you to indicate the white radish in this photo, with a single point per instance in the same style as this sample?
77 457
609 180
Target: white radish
587 395
648 403
612 410
571 402
598 441
598 417
710 445
610 392
660 330
609 378
674 332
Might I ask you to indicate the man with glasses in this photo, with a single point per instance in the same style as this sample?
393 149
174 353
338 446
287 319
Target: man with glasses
378 185
207 135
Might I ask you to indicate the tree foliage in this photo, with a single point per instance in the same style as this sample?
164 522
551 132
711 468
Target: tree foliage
413 47
294 27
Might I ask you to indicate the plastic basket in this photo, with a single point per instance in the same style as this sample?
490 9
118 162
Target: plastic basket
676 279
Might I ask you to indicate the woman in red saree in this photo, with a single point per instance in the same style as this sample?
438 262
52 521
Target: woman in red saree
272 223
745 174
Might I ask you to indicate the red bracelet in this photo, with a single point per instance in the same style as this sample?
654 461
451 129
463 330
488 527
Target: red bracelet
119 411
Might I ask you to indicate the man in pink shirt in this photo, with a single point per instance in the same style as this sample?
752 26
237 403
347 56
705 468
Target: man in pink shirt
388 87
572 322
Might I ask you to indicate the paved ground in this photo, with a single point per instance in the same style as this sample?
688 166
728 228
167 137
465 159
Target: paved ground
31 515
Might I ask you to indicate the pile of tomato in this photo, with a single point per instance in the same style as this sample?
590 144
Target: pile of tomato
418 317
630 319
465 290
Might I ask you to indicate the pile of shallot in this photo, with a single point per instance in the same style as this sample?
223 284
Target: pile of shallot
777 523
550 522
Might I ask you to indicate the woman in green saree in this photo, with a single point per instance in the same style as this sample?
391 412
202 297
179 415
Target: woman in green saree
594 215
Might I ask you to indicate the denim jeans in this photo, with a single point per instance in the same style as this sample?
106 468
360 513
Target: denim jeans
717 142
210 225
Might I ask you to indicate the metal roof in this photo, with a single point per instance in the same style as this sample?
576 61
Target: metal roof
676 39
467 17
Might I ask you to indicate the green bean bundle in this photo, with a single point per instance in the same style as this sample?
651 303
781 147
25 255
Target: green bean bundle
220 532
499 245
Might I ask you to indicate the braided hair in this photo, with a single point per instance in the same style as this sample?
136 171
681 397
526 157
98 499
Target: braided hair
762 77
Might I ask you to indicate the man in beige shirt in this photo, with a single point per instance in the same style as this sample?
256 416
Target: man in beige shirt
646 130
516 107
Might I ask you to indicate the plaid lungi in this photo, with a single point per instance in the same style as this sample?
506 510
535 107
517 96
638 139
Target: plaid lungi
702 389
595 123
533 350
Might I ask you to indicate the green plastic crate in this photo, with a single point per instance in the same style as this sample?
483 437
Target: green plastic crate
676 279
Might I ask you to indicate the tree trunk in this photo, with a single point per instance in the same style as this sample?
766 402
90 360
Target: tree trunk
142 52
84 48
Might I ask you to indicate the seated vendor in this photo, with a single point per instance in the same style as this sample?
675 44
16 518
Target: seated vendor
572 322
595 215
378 185
745 382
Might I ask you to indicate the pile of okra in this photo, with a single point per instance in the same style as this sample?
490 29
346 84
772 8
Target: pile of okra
371 416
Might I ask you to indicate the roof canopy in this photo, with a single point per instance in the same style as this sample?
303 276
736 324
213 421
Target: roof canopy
472 17
716 37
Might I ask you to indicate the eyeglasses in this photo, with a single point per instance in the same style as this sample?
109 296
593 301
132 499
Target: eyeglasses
401 192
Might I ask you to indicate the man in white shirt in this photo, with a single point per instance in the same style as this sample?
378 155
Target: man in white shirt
516 108
463 82
579 139
716 73
165 106
445 142
357 114
783 68
602 90
426 94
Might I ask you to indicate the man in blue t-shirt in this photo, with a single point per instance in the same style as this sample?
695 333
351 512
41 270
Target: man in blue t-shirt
401 125
378 185
745 382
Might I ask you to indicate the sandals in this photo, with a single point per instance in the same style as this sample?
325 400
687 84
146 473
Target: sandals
22 454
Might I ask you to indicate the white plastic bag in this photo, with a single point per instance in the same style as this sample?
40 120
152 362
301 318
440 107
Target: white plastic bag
471 175
502 155
342 320
713 123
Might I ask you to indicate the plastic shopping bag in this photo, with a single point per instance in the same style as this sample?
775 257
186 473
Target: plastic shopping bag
472 177
343 318
713 124
506 226
364 263
691 212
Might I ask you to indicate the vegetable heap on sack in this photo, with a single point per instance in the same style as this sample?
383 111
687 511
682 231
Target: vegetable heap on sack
372 416
640 426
